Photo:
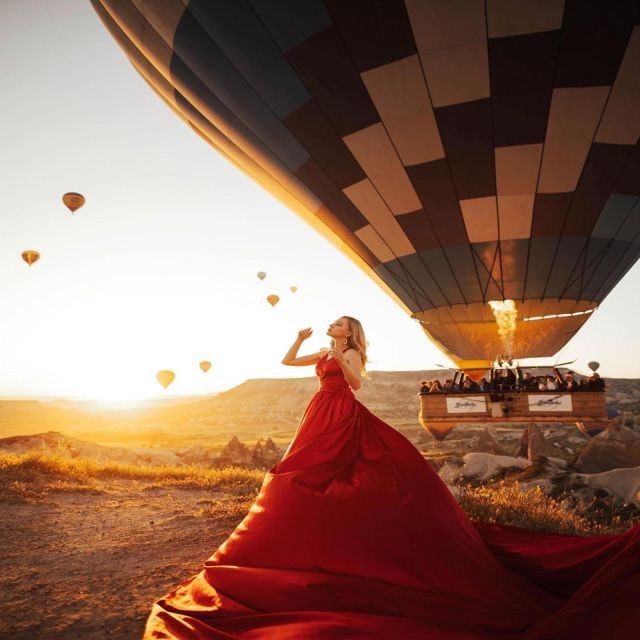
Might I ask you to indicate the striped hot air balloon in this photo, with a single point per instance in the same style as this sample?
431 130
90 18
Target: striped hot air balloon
30 256
459 152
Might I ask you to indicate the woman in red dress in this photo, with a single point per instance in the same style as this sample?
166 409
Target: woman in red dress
353 535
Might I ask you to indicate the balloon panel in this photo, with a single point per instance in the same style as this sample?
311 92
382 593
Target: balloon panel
510 174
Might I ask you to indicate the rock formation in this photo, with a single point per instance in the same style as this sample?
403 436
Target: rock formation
533 445
616 447
236 453
479 467
621 483
198 455
263 456
487 443
271 454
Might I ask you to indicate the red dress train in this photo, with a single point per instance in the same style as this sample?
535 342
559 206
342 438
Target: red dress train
353 535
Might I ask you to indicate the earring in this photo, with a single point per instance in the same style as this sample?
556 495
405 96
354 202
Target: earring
346 341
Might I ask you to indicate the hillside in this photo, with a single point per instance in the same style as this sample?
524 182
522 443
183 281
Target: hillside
256 408
280 402
252 409
54 442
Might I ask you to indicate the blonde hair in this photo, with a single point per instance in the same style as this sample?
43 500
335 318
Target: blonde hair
357 341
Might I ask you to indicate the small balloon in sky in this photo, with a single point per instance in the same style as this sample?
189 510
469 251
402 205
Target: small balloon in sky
205 365
165 377
73 200
293 289
273 300
594 366
30 256
262 275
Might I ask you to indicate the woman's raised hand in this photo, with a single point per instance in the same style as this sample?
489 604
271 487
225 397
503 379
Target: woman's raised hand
303 334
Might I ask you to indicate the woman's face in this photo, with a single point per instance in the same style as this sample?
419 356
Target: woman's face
339 329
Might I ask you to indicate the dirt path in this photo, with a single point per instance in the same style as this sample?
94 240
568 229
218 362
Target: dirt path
88 565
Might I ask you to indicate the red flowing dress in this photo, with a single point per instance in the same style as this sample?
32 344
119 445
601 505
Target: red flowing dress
353 535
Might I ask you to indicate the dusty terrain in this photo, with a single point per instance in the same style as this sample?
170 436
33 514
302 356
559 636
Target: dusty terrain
88 546
88 564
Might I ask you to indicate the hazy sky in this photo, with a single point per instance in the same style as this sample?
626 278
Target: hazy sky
158 269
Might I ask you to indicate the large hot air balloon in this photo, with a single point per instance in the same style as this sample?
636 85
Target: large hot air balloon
273 300
459 152
165 377
205 365
262 275
73 201
30 256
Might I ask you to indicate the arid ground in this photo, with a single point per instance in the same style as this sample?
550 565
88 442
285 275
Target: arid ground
88 564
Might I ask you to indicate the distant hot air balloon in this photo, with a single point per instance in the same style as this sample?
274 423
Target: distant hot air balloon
262 275
73 200
439 430
30 256
451 179
594 366
293 289
165 377
205 365
273 300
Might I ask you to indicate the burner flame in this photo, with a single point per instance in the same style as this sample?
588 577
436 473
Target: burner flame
505 313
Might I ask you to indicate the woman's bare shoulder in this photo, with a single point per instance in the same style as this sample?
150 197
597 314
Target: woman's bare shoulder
352 355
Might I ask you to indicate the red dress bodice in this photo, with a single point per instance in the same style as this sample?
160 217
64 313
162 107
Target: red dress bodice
330 375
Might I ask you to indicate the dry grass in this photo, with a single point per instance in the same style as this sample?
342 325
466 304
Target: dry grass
235 507
31 474
506 502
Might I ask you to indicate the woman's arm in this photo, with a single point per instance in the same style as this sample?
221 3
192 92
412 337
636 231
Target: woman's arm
290 357
350 364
